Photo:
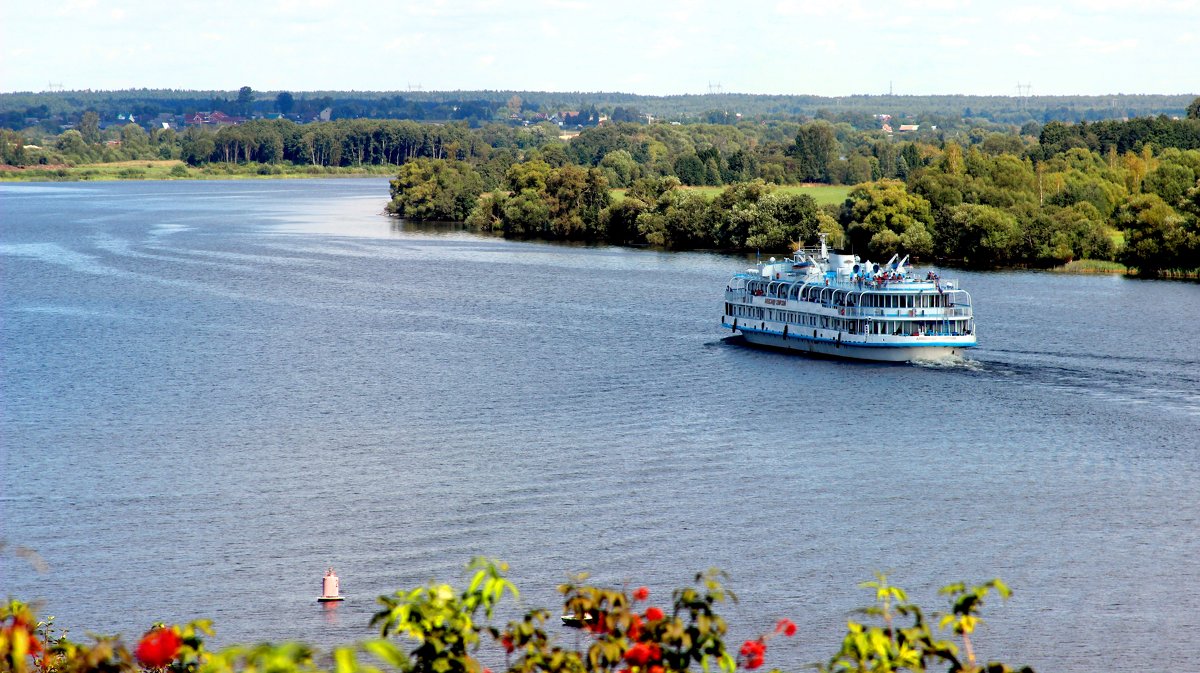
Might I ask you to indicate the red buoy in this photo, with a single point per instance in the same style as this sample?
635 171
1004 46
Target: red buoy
330 588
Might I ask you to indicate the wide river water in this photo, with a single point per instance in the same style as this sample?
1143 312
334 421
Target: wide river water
212 391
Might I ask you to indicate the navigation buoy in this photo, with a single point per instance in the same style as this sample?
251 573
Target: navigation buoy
330 588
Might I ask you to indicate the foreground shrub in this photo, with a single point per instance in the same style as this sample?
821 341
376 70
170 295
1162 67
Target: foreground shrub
437 629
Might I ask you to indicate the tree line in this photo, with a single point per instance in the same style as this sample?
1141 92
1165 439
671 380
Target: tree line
479 107
988 196
991 204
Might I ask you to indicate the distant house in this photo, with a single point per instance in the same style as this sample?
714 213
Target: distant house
164 120
905 128
887 128
214 118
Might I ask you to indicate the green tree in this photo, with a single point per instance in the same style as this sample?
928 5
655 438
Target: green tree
690 170
884 218
620 168
71 144
488 214
575 197
435 189
245 99
1193 109
1170 181
197 146
982 236
285 102
735 210
529 175
526 214
816 150
12 148
89 126
680 220
134 141
1157 238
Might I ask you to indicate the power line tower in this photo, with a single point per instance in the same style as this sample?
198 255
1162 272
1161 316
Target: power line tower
714 88
54 86
414 87
1023 93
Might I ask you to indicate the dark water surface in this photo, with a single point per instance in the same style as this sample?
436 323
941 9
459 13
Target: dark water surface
212 391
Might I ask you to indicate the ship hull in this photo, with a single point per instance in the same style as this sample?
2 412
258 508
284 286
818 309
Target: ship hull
855 351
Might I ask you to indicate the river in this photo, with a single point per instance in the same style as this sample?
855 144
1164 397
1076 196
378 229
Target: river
212 391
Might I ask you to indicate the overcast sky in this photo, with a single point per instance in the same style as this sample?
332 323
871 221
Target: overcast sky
822 47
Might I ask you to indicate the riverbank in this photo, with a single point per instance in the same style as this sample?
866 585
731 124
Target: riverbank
174 169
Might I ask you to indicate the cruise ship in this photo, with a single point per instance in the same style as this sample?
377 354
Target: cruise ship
836 305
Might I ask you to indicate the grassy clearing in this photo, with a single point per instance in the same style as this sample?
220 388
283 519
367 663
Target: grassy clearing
1091 266
822 194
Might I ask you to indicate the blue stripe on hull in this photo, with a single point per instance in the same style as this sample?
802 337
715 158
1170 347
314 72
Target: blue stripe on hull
889 352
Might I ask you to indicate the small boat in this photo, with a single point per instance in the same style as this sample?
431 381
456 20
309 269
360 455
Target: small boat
837 305
577 621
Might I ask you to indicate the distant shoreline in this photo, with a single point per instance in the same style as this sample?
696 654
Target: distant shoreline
174 169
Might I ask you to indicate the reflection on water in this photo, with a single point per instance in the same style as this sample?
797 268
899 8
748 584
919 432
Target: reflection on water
330 612
212 391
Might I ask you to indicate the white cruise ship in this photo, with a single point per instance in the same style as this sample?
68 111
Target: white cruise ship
836 305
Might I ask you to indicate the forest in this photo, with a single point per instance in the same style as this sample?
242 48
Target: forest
52 109
980 194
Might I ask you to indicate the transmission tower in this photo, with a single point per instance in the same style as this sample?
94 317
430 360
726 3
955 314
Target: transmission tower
714 88
1023 93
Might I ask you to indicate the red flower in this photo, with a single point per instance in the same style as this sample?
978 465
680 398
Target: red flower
656 669
786 626
752 647
638 655
507 641
635 627
753 651
597 625
158 648
641 654
641 594
653 614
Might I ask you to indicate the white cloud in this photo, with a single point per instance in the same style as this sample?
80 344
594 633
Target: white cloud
1153 7
1030 14
549 29
803 7
665 45
937 6
572 5
1025 49
953 42
77 7
1106 46
830 46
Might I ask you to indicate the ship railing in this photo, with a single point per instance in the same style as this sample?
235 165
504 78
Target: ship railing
935 312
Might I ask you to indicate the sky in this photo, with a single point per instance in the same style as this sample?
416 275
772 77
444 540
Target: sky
821 47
